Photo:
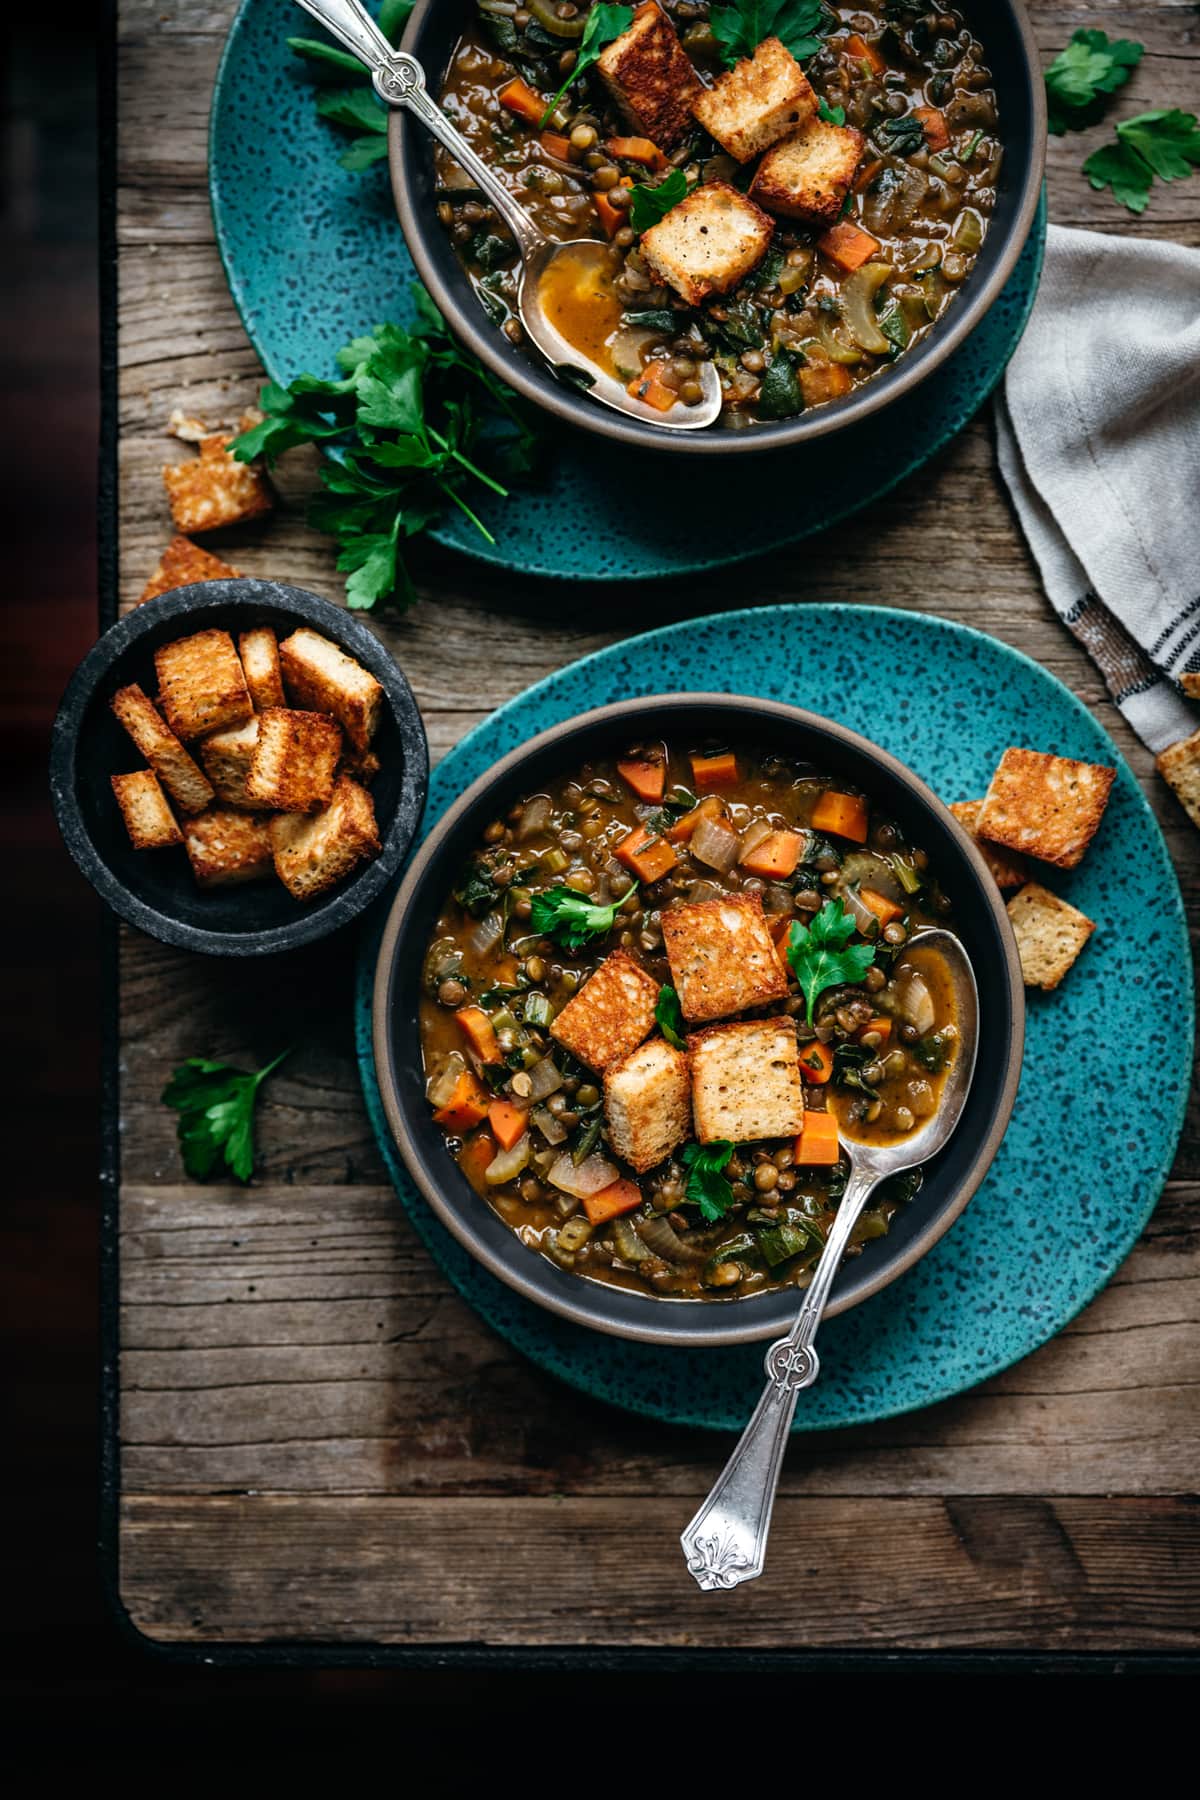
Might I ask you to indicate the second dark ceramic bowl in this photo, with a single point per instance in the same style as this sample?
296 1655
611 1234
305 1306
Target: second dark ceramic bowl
950 1179
1012 55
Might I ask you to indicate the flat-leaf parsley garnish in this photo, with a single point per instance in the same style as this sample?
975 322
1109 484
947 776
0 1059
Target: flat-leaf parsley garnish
604 23
647 205
669 1017
821 954
739 29
1165 144
215 1103
571 919
706 1185
1091 66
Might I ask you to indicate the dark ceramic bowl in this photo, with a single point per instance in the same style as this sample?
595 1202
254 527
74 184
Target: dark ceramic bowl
154 889
950 1179
1012 54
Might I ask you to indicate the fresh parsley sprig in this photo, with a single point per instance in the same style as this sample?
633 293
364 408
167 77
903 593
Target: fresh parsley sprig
706 1185
669 1016
822 956
571 919
1165 144
739 29
355 109
215 1103
604 23
649 204
1091 66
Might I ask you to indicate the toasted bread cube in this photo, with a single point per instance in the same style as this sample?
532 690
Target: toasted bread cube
364 765
181 564
226 847
709 242
808 175
651 77
227 756
179 774
1049 933
200 683
1189 681
722 956
1008 870
259 652
321 676
1048 806
746 1081
213 491
610 1015
757 102
294 765
648 1103
313 855
148 819
1179 765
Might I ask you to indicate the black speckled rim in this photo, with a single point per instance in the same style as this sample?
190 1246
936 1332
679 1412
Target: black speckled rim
239 604
408 153
650 1319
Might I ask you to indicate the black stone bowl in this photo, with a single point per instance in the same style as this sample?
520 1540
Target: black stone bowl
980 919
154 889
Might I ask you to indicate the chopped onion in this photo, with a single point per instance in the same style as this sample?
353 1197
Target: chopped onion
864 918
552 1129
444 1080
544 1078
914 1001
591 1177
703 890
752 837
716 844
535 818
487 933
509 1163
858 306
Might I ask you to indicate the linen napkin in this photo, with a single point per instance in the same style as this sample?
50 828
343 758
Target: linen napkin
1099 443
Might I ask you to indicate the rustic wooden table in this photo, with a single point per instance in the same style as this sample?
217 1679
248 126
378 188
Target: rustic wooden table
319 1443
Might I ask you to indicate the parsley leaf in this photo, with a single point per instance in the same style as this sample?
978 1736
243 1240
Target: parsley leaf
604 23
358 110
706 1185
832 115
1164 143
1091 66
669 1017
739 29
647 205
822 955
571 919
216 1114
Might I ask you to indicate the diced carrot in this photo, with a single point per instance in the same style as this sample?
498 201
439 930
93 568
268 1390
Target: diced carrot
881 1025
824 381
937 132
847 245
843 814
477 1153
774 857
780 929
520 98
867 174
712 772
467 1105
638 150
648 857
885 910
682 830
610 218
508 1123
554 144
858 47
621 1197
647 779
818 1142
476 1027
816 1066
650 387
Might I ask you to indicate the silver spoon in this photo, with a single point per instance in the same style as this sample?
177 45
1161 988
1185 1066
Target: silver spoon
726 1542
399 80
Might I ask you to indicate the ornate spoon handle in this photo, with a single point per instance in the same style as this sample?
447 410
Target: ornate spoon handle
726 1542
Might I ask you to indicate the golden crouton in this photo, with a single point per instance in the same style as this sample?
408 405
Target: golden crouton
364 765
1179 765
148 819
200 683
312 855
648 1103
212 490
1189 681
709 242
611 1014
746 1082
722 956
181 564
227 756
757 102
295 760
321 676
808 176
1048 806
181 777
651 77
226 847
1049 933
1008 869
260 665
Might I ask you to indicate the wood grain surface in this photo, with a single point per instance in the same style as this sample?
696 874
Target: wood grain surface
319 1442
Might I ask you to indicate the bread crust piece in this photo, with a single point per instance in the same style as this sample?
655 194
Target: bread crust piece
1007 868
709 242
259 652
200 683
318 674
294 765
148 819
758 101
610 1015
746 1083
314 854
1046 806
1179 766
183 779
807 176
226 847
650 76
213 491
722 956
648 1103
227 756
181 564
1189 681
1049 933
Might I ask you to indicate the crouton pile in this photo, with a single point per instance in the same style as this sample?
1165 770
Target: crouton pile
281 735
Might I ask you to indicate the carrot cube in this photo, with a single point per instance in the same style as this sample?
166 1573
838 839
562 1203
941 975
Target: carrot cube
475 1156
520 98
649 387
646 856
476 1027
712 772
508 1123
847 245
818 1142
621 1197
843 814
647 779
816 1066
933 122
638 150
885 910
857 46
554 144
820 382
776 856
881 1025
467 1105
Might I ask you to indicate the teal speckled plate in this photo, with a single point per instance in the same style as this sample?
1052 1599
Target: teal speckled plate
314 255
1075 1180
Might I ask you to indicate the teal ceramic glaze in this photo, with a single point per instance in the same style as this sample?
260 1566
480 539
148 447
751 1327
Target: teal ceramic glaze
315 254
1067 1196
